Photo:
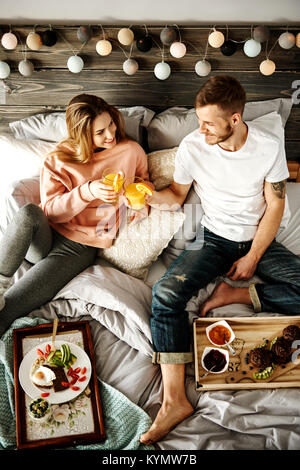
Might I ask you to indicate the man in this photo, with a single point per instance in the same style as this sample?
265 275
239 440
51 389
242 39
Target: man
239 171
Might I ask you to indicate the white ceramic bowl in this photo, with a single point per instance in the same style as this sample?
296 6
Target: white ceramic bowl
221 323
222 351
45 416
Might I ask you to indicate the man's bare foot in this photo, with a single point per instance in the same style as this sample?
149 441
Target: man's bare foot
168 417
220 296
224 294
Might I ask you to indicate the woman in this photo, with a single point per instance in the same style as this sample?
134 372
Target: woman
77 215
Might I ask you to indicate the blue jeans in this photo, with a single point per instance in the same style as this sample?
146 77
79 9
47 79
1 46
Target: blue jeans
194 269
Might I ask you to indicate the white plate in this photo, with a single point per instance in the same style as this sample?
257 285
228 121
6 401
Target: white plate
54 397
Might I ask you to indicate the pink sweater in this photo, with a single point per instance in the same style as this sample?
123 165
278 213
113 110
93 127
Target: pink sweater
69 204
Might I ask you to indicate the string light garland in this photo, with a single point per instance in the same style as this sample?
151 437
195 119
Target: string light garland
169 36
216 38
25 67
84 33
4 70
103 46
125 36
144 43
75 63
178 48
267 66
34 40
229 47
9 40
49 37
287 40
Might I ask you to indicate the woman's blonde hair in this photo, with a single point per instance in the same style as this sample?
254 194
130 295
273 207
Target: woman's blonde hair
80 114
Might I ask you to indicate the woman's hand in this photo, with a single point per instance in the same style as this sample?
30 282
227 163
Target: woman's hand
103 191
137 216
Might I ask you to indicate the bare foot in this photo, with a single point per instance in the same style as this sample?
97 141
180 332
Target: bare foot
220 296
167 418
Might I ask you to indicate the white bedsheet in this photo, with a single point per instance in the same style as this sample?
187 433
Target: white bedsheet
118 307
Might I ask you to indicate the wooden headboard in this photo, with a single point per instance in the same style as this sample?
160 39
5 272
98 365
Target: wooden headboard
52 85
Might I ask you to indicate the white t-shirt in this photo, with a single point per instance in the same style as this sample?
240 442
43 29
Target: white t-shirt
230 184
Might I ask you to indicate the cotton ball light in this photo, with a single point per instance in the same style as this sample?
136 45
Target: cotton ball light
4 70
298 40
125 36
252 48
9 41
75 64
228 48
177 49
130 66
26 68
261 33
216 39
144 43
267 67
162 70
286 40
84 33
168 35
34 41
49 37
202 68
103 47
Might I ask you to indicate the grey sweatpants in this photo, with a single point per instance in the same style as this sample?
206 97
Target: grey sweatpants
56 261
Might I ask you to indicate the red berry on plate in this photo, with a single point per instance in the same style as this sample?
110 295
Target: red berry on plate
75 388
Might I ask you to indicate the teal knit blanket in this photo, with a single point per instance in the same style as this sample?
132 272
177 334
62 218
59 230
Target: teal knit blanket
124 421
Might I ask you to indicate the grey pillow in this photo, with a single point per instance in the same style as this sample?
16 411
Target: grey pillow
167 129
51 127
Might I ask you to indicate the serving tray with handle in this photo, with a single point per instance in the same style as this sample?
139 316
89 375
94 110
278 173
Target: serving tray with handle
250 332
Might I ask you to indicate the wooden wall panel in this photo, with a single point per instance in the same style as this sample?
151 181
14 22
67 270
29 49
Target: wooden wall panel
52 85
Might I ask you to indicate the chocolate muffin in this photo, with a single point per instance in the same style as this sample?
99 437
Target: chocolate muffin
260 357
281 350
291 333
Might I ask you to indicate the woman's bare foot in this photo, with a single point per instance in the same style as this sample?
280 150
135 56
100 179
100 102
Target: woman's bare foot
224 294
168 417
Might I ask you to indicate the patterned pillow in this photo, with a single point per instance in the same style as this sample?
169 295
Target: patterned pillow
138 246
161 167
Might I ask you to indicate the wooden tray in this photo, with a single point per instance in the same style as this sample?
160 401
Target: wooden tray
87 434
249 332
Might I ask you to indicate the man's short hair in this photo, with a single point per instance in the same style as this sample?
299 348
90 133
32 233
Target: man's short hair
224 91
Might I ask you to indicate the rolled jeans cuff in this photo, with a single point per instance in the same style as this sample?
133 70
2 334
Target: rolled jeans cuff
254 298
172 357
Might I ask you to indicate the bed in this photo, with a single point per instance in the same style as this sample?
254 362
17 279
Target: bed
114 294
116 300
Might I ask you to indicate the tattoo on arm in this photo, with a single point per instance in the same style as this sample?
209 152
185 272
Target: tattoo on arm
279 189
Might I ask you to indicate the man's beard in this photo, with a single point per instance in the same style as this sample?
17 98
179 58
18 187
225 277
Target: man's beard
217 139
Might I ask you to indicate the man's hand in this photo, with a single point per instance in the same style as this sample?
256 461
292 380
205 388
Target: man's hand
244 268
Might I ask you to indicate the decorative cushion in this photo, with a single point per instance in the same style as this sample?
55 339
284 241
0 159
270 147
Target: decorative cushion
138 246
161 167
52 127
167 129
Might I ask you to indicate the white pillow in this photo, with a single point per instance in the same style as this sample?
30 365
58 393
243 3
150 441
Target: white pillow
20 159
52 126
167 129
138 246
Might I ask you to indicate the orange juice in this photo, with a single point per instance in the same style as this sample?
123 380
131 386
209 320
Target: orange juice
110 181
136 198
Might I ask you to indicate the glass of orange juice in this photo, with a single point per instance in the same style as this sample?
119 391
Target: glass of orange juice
135 190
114 179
